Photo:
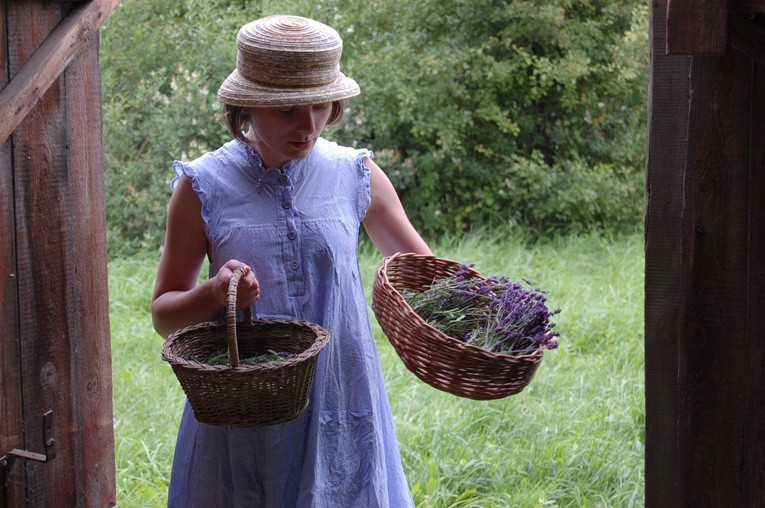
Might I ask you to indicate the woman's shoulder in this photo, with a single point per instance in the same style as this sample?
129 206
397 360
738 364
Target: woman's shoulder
334 151
207 167
230 151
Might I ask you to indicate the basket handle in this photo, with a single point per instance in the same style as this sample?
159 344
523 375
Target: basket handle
233 346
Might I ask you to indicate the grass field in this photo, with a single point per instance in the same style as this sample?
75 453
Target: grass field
573 437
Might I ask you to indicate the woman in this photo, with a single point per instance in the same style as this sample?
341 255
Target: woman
287 204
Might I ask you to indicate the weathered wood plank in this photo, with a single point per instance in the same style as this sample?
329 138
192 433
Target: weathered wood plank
667 149
712 453
30 83
753 360
748 6
87 266
714 318
748 38
62 286
10 380
697 27
38 146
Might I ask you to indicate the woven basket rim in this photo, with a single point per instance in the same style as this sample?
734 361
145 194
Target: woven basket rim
382 271
321 339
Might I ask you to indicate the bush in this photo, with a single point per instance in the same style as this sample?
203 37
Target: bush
161 65
459 96
520 114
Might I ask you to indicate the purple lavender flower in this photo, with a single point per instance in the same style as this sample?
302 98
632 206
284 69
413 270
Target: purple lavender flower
493 313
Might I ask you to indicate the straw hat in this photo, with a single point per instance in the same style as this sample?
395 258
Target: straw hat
287 61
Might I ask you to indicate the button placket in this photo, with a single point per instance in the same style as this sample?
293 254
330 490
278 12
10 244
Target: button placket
292 248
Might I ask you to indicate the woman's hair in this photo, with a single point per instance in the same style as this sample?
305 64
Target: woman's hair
237 120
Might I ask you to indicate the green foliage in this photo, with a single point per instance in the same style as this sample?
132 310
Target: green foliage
162 63
520 115
459 96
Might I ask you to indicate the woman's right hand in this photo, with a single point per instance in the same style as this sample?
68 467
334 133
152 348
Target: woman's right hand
248 289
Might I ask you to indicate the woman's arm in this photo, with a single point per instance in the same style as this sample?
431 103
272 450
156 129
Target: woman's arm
386 221
178 301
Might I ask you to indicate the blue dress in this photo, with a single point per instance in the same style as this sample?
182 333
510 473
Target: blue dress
298 228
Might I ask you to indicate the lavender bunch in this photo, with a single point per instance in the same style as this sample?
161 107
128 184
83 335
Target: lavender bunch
495 314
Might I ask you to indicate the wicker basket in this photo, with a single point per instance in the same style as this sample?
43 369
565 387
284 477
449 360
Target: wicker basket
437 359
245 395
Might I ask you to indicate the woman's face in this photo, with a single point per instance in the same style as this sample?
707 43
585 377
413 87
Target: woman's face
285 133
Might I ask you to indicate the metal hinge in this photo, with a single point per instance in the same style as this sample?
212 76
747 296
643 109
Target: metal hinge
7 460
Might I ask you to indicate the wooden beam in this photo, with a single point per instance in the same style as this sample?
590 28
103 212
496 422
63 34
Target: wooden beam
54 180
697 27
749 6
715 385
44 67
667 150
753 362
748 38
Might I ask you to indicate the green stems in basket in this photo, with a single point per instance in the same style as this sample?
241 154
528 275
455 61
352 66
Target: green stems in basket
494 313
223 358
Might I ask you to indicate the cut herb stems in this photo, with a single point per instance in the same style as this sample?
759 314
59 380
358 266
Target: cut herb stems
223 358
495 313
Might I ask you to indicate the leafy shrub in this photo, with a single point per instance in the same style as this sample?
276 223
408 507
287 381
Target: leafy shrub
161 65
519 114
460 96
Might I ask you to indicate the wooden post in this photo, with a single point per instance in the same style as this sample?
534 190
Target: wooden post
667 147
705 267
697 27
55 344
10 378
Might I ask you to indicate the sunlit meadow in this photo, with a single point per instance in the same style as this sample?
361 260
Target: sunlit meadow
573 437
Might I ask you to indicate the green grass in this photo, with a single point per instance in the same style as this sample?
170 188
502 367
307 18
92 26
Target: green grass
573 437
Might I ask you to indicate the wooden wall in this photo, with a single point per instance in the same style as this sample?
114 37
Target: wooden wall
705 262
54 305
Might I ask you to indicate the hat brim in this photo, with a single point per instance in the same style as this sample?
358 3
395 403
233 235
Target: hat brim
236 90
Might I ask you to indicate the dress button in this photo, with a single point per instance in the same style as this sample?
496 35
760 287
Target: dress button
295 265
284 179
291 235
287 205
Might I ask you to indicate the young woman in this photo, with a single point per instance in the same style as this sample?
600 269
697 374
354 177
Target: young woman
288 204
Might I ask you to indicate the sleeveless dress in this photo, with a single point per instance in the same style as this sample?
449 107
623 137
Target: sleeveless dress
298 228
